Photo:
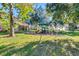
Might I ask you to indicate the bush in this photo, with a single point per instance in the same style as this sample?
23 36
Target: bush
72 26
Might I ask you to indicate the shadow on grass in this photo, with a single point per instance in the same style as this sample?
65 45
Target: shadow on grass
44 48
6 34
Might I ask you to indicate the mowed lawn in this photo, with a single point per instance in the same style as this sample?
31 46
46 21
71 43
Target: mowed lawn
39 45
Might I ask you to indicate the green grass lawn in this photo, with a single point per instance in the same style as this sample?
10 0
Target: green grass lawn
39 45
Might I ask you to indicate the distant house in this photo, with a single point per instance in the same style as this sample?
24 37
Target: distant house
66 27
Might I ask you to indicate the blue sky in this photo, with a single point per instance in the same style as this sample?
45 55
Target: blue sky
0 5
36 5
43 5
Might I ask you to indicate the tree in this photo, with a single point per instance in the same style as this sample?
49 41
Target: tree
23 8
3 21
11 20
68 13
57 10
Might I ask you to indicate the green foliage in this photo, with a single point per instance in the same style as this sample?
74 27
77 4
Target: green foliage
65 12
4 20
5 24
57 10
24 9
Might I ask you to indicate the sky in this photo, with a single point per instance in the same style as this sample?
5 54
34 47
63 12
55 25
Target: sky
0 5
43 5
36 5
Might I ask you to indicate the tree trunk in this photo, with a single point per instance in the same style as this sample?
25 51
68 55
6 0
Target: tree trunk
11 21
